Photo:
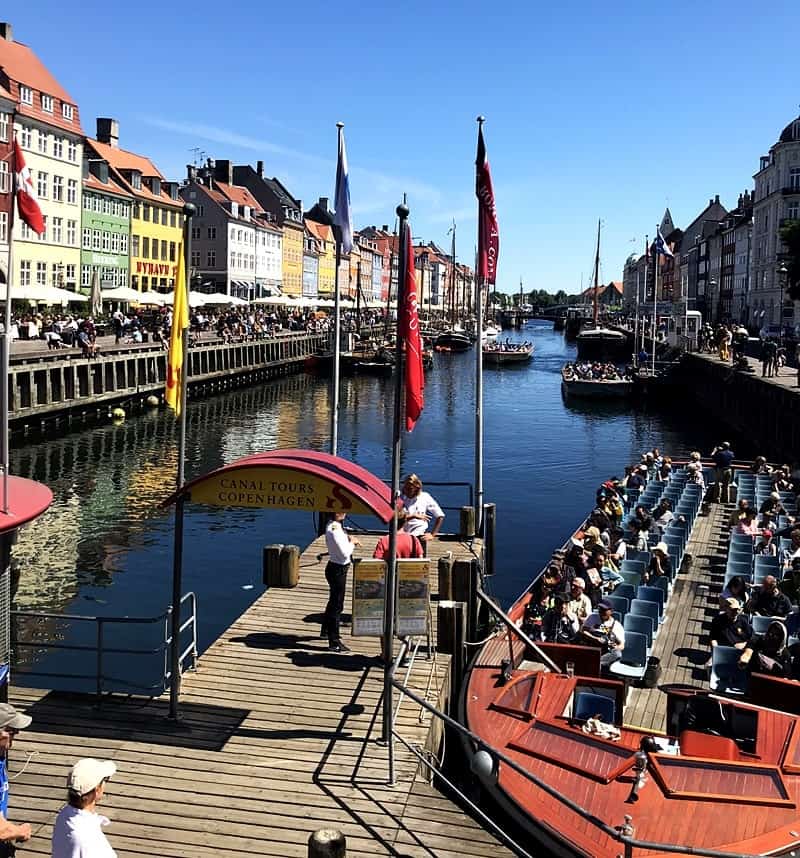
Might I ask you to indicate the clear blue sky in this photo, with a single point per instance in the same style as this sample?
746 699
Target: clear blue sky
609 110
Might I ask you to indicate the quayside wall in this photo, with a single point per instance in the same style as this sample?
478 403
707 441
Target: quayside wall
50 385
766 411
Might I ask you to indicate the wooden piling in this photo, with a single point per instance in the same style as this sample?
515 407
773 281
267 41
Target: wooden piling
445 567
467 522
451 628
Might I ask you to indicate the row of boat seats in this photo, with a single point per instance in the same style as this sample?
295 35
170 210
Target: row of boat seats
642 607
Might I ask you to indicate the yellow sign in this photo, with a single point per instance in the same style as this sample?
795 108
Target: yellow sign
413 597
369 589
276 488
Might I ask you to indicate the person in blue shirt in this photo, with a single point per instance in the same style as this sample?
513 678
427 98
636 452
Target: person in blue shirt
11 722
722 457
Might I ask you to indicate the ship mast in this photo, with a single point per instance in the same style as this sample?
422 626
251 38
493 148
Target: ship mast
596 275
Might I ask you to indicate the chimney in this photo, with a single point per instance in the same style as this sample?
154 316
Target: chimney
223 171
191 172
260 169
6 31
716 198
108 132
323 203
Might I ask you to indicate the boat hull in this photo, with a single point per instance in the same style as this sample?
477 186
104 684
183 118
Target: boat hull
590 389
497 357
453 341
605 345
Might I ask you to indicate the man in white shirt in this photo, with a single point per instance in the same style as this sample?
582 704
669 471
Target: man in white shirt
78 830
340 551
601 628
420 508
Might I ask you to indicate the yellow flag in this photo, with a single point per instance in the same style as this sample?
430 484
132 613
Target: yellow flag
180 325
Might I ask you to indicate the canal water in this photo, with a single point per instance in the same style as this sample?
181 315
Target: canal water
105 546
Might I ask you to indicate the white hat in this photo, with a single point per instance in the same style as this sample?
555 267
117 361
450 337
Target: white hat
88 774
662 548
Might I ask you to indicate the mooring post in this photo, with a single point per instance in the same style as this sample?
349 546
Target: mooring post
327 843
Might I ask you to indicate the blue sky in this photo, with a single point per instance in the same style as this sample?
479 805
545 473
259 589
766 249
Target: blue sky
594 110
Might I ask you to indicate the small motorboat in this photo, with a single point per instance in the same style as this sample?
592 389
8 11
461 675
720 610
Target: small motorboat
489 333
503 353
453 340
607 386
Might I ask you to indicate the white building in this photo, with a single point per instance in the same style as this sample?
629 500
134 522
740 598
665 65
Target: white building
269 256
777 199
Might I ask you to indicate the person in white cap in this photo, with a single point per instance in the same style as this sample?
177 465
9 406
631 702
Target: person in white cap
11 722
78 831
660 564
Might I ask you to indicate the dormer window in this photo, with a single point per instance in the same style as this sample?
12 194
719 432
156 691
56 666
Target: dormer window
66 111
47 103
136 180
246 212
235 209
25 94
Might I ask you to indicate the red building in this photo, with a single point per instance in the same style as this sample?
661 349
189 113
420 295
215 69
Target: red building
7 108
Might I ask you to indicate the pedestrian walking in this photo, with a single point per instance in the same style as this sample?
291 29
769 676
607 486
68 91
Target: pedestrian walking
78 830
340 550
11 722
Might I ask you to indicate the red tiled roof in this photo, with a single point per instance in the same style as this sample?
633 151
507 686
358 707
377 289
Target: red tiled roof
121 160
92 183
319 230
240 195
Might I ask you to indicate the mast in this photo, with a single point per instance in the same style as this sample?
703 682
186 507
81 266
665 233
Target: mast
596 275
453 278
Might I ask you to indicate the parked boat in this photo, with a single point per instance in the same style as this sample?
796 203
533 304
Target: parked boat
453 340
500 353
489 333
614 387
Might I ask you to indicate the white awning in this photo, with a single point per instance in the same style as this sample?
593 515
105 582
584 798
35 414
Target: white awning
45 294
123 293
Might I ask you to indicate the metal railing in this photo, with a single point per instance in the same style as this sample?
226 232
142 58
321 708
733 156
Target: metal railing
187 661
629 842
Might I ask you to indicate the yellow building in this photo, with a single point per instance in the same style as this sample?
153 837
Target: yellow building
156 215
327 256
49 131
292 267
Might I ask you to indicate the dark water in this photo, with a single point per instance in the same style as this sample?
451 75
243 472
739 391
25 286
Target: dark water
105 547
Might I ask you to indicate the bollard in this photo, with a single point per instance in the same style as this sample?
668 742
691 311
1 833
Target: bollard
489 538
465 583
445 568
271 565
289 566
466 528
327 843
451 630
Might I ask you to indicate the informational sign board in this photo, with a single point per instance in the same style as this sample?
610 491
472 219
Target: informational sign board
413 597
369 589
262 487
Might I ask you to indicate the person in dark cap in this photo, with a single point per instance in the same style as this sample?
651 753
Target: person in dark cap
11 722
559 624
722 457
601 629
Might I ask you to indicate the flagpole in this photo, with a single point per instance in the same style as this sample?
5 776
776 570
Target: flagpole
646 261
391 567
5 350
655 299
636 325
177 557
337 347
479 284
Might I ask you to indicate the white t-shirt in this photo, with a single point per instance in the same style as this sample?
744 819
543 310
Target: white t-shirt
79 834
340 549
612 629
421 504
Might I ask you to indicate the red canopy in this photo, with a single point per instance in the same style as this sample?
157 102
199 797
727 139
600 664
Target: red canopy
27 500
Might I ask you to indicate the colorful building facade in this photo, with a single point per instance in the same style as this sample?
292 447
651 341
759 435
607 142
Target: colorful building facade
326 248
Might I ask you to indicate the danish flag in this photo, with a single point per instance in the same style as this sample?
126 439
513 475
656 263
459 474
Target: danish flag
27 201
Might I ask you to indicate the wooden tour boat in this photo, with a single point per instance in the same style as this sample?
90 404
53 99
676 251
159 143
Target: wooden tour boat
595 388
722 778
502 353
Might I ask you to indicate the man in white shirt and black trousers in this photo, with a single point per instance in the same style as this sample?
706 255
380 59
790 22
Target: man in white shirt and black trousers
340 550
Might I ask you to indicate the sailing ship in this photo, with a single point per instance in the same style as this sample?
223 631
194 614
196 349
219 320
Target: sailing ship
455 338
597 341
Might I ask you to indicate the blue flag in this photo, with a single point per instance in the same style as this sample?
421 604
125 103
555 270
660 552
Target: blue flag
342 218
660 246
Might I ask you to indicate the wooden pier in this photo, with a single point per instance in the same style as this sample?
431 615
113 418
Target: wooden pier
278 737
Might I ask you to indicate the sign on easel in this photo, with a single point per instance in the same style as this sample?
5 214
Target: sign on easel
369 582
413 597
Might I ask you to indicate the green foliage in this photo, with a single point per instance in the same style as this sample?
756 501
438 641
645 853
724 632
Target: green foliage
790 236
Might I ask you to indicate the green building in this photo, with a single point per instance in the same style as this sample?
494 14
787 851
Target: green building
105 226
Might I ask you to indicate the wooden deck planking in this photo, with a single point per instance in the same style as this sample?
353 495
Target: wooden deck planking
682 642
278 737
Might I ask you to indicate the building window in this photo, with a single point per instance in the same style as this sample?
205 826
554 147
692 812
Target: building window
201 210
87 202
136 211
106 206
41 186
43 234
145 211
3 227
41 273
106 241
58 147
72 151
66 111
195 263
4 127
125 211
97 204
211 259
173 218
794 178
793 210
4 183
97 239
115 242
87 238
146 247
58 188
72 191
145 284
164 217
57 222
47 103
25 138
72 229
134 245
70 275
25 94
25 273
212 232
195 233
172 250
86 276
123 243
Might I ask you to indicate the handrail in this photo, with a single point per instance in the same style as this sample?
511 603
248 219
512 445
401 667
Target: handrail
101 650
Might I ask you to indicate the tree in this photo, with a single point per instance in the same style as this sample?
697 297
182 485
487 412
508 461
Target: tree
790 236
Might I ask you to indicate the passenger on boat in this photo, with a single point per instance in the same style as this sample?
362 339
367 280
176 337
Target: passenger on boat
660 564
608 575
765 546
730 627
748 525
781 479
575 558
790 583
665 469
591 536
601 629
769 653
760 466
737 588
538 605
792 552
695 470
559 625
738 514
637 478
772 505
723 457
662 514
650 463
618 548
579 604
640 523
767 600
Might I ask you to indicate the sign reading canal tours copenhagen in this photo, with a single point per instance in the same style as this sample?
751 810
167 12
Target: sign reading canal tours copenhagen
276 488
413 597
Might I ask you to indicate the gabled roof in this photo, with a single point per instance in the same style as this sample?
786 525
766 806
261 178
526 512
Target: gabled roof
282 193
92 183
240 195
121 161
320 231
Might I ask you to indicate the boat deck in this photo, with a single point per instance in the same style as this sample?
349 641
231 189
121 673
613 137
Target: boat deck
278 737
682 643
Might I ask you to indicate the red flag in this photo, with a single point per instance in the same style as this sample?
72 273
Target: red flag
409 330
27 201
488 230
